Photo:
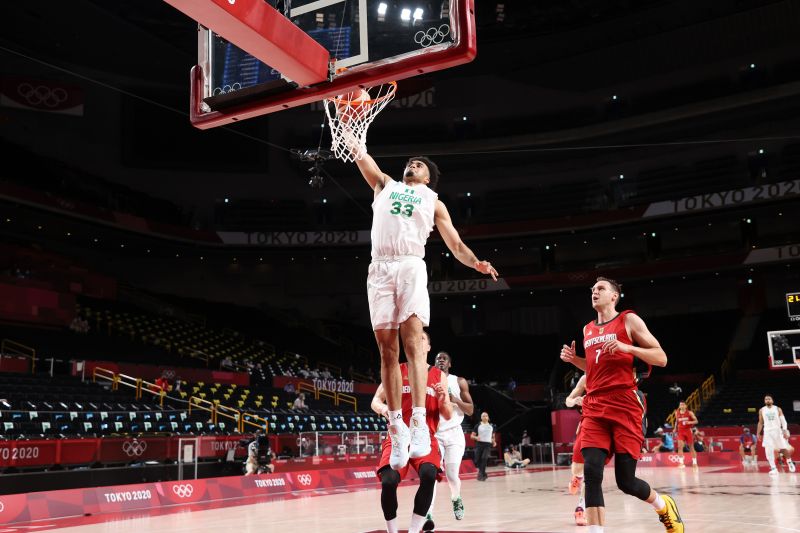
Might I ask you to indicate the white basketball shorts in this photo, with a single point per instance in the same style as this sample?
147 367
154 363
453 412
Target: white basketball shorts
397 289
774 438
452 444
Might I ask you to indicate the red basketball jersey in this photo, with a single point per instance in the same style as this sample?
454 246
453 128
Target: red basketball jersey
431 403
605 371
682 420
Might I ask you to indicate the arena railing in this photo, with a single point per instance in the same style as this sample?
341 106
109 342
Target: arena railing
14 348
317 443
697 398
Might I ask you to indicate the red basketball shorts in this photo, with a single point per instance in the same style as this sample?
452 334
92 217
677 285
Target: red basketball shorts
685 435
434 458
613 421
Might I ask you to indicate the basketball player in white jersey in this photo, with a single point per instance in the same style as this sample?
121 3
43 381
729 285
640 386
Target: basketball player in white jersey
776 434
403 215
450 434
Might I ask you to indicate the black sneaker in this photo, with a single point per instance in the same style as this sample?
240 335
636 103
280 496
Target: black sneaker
428 526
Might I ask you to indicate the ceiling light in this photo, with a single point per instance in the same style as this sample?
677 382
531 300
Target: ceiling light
405 14
418 13
382 7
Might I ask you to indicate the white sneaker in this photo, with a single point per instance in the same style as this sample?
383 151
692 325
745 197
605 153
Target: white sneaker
400 437
792 467
773 472
420 439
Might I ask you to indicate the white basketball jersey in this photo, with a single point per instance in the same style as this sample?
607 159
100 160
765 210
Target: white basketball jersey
458 414
771 419
402 219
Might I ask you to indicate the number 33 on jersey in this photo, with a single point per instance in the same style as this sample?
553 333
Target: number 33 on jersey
403 219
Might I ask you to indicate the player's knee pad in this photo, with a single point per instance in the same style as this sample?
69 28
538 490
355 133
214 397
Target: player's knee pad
427 482
427 474
625 471
594 460
390 479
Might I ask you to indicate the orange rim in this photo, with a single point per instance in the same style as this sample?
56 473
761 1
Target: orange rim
372 101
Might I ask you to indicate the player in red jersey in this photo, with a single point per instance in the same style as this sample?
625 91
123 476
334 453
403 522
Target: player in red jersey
612 410
684 421
437 403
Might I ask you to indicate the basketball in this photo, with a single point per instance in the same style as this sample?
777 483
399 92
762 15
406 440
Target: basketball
350 104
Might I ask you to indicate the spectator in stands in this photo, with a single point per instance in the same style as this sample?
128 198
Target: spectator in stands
162 384
526 439
326 374
315 373
747 444
300 402
177 386
699 440
667 443
513 458
226 363
305 373
289 388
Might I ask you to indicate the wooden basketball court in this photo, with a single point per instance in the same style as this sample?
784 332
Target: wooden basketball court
711 500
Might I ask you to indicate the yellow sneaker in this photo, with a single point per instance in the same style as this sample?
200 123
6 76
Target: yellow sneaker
669 516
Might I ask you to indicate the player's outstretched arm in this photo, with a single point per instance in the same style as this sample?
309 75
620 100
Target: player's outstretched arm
378 404
693 421
376 179
453 241
576 396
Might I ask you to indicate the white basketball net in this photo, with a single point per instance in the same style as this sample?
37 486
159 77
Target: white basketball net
350 120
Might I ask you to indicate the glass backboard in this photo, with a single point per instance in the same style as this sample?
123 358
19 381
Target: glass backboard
784 348
369 42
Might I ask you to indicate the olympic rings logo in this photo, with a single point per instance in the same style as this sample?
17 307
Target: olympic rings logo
183 491
169 374
134 448
675 458
225 89
42 95
304 479
432 36
2 507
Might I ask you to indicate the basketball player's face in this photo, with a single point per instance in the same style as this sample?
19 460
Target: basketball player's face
682 406
443 363
485 418
426 344
416 172
768 401
603 295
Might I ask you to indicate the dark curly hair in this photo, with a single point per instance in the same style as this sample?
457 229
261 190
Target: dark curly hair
433 170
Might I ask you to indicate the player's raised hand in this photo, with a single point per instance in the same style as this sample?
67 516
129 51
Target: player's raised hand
485 267
441 392
568 353
579 401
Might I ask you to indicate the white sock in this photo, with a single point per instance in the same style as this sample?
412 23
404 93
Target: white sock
595 529
694 460
680 458
658 503
396 418
417 522
391 526
418 413
770 452
582 503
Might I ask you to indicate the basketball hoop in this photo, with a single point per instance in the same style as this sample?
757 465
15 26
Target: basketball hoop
350 115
